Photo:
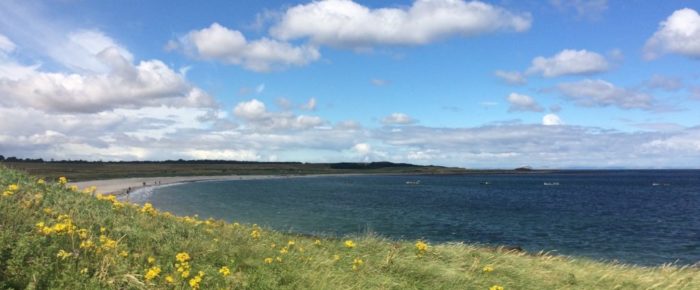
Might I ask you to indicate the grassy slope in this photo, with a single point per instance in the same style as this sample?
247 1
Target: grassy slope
29 258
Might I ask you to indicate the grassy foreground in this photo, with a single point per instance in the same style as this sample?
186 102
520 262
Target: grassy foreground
54 237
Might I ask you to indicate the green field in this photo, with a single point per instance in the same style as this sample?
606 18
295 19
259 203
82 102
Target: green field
79 171
54 237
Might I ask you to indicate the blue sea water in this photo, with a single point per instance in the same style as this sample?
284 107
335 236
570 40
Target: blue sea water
639 217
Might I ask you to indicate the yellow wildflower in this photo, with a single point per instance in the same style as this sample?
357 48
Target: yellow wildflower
107 243
496 287
152 273
124 254
278 259
148 208
13 187
62 180
317 242
268 260
169 279
349 244
84 270
185 274
102 230
255 234
7 193
41 181
151 260
422 247
284 251
87 244
73 188
225 271
63 254
182 257
488 269
83 234
194 282
357 263
336 257
291 243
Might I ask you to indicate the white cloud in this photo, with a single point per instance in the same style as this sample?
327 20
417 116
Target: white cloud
522 103
584 8
569 62
6 45
511 77
310 105
344 23
362 148
245 155
122 85
599 93
398 119
250 110
551 120
664 82
217 42
679 34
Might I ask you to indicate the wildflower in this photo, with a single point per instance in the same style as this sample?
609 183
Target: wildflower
284 251
102 230
291 243
151 260
83 234
152 273
87 244
73 188
13 187
317 242
185 274
63 254
273 245
255 234
148 208
422 247
84 270
278 259
194 282
169 279
124 254
349 244
488 269
268 260
182 257
107 243
225 271
7 193
62 180
41 181
496 287
356 263
336 257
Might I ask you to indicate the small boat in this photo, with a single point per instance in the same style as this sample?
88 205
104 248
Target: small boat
551 183
413 182
485 183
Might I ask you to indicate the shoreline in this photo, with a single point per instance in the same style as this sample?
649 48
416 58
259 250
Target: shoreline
119 186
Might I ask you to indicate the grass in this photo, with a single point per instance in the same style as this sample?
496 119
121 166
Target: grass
124 246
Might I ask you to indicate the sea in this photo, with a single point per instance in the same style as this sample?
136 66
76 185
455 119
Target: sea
646 217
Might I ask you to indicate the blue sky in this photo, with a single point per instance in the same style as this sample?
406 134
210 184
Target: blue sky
493 84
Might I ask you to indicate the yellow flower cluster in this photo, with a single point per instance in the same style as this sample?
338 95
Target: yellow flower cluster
183 265
111 198
496 287
349 244
11 189
148 209
225 271
64 225
40 181
268 260
317 242
152 273
62 180
357 263
194 282
63 254
422 247
488 269
255 234
106 243
151 260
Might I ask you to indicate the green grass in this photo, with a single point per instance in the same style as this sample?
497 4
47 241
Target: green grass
30 258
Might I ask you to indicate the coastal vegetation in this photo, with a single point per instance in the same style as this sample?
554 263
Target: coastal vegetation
54 236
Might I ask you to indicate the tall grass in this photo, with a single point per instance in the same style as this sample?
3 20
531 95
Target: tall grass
55 237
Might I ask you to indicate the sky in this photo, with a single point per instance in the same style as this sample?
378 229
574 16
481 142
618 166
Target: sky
474 84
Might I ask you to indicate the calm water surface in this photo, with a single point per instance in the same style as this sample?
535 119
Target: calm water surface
641 217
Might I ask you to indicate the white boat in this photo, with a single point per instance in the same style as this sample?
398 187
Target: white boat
413 182
551 183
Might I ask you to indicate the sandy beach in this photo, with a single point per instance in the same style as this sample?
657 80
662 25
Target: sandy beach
119 186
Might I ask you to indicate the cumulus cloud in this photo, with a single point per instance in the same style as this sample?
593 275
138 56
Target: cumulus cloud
310 105
511 77
123 84
569 62
599 93
679 33
6 45
344 23
551 120
522 103
256 114
664 82
362 148
398 119
217 42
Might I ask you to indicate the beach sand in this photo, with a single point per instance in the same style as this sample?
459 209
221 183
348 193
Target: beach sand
119 186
